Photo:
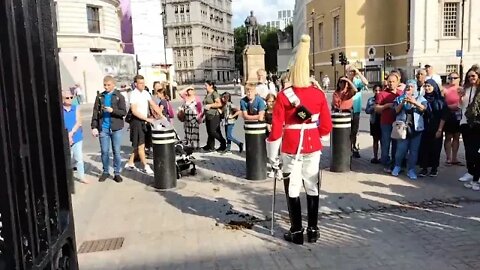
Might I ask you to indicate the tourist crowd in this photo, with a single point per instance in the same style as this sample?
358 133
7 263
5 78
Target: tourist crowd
410 119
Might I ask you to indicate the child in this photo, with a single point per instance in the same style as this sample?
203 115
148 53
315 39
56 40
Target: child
230 113
270 100
375 130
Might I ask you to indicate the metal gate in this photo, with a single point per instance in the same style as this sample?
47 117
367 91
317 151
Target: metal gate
36 220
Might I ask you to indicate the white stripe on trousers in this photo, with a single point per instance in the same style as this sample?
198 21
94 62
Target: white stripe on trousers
304 171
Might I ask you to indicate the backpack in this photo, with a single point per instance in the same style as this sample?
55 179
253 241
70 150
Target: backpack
472 113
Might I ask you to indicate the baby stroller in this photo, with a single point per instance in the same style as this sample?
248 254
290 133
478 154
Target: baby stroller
184 158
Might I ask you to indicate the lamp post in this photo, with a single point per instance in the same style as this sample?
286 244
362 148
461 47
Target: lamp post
313 41
461 40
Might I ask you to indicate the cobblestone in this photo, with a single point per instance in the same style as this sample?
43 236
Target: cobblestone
185 228
369 220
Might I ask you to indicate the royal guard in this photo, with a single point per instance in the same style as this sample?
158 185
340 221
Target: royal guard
300 118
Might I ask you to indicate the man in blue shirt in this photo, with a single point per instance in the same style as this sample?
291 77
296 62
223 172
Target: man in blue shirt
360 83
107 124
73 124
252 106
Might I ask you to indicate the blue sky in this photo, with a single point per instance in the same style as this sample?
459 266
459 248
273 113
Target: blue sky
264 10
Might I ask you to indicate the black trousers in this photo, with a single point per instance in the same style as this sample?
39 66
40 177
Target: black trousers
148 137
430 150
471 142
214 132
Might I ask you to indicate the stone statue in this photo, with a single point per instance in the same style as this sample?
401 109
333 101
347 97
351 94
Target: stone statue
252 30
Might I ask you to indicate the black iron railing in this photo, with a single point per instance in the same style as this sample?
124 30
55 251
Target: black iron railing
36 220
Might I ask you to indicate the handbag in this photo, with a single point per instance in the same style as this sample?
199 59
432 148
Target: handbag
399 131
129 116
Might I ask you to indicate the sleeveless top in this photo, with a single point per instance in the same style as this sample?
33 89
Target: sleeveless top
70 118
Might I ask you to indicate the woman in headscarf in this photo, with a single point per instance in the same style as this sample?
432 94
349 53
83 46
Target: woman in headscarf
431 146
409 108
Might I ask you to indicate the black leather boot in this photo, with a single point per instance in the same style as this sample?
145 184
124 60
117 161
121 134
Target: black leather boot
312 229
295 234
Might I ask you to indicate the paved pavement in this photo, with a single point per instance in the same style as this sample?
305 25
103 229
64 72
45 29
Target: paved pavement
369 220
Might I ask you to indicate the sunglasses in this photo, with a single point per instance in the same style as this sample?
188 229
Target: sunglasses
453 78
68 97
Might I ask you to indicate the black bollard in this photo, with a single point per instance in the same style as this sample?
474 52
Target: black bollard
164 166
256 152
341 151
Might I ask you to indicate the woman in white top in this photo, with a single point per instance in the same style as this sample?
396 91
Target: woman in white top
469 133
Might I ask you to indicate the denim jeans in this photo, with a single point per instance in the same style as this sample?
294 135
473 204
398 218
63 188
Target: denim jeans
412 145
229 135
76 155
385 145
108 136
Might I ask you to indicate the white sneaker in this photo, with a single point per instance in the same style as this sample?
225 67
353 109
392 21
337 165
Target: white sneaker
476 186
148 170
130 167
466 178
473 185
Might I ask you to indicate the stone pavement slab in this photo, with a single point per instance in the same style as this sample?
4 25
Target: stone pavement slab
187 228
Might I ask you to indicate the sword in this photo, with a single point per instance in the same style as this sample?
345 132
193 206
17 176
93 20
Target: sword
278 177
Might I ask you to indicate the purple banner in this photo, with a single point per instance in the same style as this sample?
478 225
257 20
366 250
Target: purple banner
127 28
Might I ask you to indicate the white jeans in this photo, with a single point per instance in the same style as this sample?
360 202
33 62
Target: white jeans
304 172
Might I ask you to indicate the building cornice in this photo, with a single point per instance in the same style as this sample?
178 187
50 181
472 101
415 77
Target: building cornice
87 35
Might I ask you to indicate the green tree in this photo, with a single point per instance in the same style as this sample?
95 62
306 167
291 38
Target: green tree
269 40
289 30
240 36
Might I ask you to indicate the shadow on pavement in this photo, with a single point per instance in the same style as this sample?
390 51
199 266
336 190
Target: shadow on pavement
439 239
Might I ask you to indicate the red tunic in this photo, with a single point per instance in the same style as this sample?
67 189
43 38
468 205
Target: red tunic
284 114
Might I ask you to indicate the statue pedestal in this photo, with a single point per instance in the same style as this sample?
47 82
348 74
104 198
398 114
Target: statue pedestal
253 60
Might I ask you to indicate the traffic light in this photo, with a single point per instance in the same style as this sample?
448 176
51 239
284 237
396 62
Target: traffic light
343 60
332 59
389 56
139 65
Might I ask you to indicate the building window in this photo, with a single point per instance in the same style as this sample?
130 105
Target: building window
320 36
182 18
185 63
336 31
450 19
179 64
93 18
184 52
191 63
191 52
451 68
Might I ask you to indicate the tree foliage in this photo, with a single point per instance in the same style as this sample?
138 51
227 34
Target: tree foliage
240 36
289 30
269 41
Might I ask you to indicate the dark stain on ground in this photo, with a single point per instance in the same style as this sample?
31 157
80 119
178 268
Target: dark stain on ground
244 221
239 225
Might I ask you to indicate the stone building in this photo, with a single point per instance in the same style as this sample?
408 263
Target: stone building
89 44
422 32
201 35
